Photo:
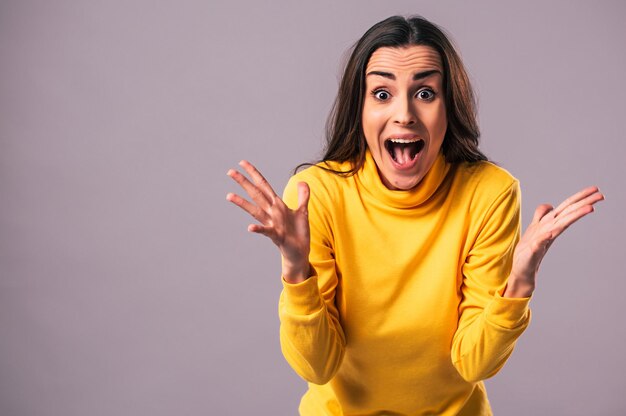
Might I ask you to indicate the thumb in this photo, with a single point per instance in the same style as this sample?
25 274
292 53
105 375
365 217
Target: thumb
304 193
541 211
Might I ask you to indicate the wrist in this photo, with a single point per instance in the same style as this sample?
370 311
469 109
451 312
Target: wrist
295 273
518 288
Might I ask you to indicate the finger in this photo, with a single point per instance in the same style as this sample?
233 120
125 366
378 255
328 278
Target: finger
541 211
590 200
259 180
250 208
575 198
255 193
304 193
261 229
564 221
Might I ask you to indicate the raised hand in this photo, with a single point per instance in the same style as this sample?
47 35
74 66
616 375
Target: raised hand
287 228
547 224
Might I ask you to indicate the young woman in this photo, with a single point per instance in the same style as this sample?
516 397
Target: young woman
406 282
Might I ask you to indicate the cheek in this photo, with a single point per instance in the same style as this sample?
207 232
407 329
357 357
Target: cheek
373 123
443 124
439 122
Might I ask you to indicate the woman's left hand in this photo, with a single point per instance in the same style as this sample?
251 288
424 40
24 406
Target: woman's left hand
547 224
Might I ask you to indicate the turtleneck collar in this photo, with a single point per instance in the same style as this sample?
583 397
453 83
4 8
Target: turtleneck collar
368 176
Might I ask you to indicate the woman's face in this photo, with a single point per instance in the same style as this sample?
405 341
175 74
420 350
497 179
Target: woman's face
404 113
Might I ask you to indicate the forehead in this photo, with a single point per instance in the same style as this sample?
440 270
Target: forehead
413 58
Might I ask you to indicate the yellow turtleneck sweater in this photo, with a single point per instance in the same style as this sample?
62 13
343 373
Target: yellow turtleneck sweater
403 313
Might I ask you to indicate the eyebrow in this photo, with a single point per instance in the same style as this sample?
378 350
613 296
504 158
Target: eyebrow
419 75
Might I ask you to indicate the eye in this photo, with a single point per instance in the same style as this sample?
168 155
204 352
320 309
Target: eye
426 94
381 95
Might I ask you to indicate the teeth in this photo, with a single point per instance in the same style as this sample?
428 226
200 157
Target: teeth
404 140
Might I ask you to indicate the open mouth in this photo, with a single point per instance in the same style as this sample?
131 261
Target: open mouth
403 151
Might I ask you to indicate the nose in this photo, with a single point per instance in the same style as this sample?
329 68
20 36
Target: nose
404 112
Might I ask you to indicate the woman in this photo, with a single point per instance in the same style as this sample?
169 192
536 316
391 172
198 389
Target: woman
406 282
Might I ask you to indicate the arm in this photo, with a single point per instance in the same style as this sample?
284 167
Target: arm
311 336
489 324
492 317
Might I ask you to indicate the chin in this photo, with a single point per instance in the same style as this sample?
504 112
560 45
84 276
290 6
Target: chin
404 183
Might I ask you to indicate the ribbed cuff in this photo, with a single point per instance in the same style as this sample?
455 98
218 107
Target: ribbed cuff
302 298
508 312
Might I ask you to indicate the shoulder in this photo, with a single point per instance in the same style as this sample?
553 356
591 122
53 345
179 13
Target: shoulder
486 187
486 174
485 179
322 181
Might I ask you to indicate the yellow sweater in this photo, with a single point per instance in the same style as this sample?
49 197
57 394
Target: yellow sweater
403 313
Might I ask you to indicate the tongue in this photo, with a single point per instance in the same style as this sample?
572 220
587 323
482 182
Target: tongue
403 152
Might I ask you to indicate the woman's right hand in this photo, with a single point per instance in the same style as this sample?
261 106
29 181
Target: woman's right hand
287 228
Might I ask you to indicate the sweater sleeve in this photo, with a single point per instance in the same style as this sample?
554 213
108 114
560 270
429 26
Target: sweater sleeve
311 336
489 324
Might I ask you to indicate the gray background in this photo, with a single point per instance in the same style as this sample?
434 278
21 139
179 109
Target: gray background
130 286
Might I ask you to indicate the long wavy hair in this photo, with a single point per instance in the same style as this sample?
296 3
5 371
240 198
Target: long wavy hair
345 140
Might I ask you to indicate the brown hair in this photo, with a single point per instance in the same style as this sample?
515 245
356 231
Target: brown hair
345 140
